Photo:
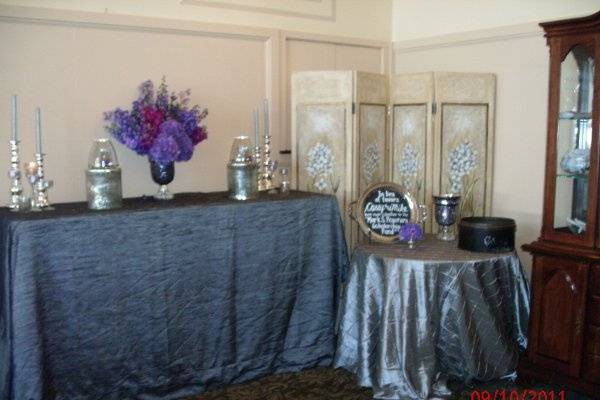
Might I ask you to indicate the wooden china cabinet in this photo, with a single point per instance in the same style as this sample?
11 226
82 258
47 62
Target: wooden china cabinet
564 328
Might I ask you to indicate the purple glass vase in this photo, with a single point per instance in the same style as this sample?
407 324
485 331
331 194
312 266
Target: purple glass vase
162 174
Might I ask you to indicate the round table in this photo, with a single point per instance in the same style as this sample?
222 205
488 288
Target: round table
409 319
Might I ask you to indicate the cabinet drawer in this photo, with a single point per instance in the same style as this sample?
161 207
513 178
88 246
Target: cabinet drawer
593 340
593 313
595 281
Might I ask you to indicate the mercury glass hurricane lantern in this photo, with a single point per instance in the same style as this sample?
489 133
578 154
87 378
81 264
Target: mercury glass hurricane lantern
242 170
103 177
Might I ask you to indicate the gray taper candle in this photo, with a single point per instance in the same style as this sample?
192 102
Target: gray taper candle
256 128
13 119
266 102
38 131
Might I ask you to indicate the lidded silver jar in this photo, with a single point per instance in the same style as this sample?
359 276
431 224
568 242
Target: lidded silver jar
242 170
103 177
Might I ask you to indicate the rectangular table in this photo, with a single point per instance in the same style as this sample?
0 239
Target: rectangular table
164 300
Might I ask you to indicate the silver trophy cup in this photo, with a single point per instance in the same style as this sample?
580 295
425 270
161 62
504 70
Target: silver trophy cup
446 207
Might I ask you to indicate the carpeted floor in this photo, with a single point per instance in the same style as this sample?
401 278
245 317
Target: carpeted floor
328 383
312 384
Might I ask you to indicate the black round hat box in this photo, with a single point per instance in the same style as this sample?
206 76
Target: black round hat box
487 234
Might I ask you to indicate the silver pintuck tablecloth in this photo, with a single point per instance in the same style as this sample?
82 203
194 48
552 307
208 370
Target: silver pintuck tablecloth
411 319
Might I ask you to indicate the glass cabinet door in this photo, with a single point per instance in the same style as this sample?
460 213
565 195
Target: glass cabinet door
573 141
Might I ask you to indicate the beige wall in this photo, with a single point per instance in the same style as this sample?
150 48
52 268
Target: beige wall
367 19
76 65
415 19
75 72
519 58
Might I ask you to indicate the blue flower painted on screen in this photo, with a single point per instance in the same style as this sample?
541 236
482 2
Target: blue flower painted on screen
319 166
408 168
462 161
320 184
370 162
320 160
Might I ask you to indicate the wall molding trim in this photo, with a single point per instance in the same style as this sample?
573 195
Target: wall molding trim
320 38
327 12
504 33
94 20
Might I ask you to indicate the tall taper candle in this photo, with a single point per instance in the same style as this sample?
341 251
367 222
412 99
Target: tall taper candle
38 130
266 117
13 115
256 129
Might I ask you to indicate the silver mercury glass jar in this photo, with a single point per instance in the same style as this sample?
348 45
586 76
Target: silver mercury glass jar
242 171
103 177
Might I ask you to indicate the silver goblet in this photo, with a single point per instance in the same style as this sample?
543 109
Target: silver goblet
446 206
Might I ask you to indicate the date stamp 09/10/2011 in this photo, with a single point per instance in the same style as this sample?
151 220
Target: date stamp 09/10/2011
521 394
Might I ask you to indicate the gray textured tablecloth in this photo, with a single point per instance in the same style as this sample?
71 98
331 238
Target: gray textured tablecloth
411 319
161 302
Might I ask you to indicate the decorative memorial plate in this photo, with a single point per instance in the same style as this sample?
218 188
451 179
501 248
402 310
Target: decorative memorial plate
382 210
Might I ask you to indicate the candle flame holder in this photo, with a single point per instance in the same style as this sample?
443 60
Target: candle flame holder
39 184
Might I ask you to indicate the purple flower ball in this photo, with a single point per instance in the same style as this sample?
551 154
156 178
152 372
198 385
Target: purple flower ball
165 149
410 231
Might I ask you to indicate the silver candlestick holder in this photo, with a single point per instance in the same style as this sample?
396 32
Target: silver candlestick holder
268 167
39 184
257 159
17 202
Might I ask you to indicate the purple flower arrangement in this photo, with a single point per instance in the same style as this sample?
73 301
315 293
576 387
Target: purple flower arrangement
410 232
160 124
